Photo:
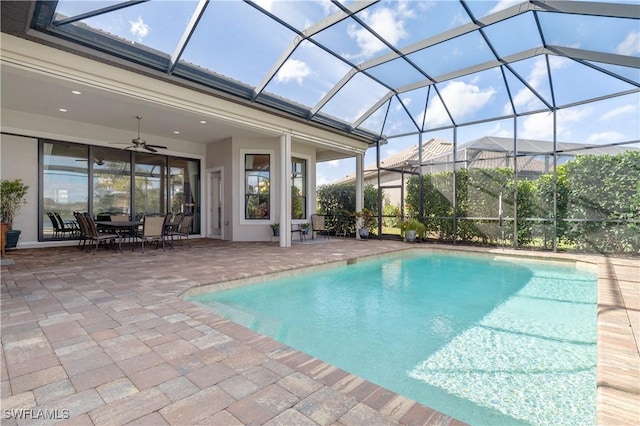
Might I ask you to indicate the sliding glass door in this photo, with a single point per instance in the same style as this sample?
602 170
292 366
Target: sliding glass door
64 181
111 181
106 181
150 184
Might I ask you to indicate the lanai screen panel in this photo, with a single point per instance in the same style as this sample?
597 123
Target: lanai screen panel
498 59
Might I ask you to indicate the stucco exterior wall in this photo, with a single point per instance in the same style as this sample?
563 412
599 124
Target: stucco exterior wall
19 160
219 155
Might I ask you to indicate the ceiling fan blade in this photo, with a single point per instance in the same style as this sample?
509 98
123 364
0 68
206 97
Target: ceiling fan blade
157 146
149 148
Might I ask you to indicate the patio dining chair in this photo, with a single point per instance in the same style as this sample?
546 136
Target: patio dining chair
173 227
183 229
67 226
152 231
60 227
318 227
54 224
100 237
83 231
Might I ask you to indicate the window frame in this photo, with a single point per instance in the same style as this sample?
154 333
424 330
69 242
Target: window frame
242 170
305 185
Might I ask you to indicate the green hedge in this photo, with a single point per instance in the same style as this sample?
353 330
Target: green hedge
603 189
338 202
597 201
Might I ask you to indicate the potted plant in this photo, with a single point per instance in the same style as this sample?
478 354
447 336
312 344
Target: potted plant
412 229
13 194
365 222
275 227
304 228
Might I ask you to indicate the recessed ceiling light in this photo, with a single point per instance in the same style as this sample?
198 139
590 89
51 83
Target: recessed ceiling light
176 132
203 122
76 92
62 110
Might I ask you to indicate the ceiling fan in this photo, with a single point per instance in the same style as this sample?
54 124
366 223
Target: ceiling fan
139 143
96 161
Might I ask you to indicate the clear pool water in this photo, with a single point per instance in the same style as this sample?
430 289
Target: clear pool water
486 341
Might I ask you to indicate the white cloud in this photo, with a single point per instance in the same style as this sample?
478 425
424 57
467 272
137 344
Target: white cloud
540 126
139 29
498 131
327 6
538 80
321 180
265 4
461 98
333 164
503 4
631 44
388 23
624 109
406 101
610 136
293 69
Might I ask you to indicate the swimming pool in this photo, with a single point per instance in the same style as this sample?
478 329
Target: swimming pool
485 340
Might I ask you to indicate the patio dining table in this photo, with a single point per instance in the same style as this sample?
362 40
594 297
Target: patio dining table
120 227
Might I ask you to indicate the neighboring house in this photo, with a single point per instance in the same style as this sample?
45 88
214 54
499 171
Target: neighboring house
534 159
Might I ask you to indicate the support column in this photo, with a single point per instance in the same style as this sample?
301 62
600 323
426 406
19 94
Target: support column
516 149
285 190
455 185
359 188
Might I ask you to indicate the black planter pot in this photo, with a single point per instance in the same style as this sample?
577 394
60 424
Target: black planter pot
12 239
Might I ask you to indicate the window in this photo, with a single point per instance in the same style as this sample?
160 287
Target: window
184 186
257 183
111 181
65 182
298 188
150 180
102 180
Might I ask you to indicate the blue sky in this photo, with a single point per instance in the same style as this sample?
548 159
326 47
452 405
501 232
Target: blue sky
241 42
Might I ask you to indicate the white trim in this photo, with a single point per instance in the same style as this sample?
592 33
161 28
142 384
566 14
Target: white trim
208 219
306 158
272 170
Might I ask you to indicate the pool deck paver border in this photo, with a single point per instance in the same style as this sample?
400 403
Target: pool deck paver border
109 338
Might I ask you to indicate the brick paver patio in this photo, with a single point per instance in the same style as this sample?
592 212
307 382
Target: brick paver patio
108 339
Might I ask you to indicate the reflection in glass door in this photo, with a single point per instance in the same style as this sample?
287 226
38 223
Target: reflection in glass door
149 184
184 189
111 181
65 174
